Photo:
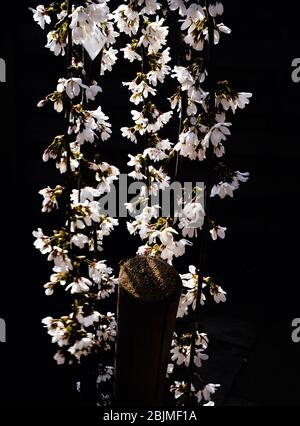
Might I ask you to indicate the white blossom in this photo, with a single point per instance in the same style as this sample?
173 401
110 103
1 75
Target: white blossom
154 36
218 232
82 347
79 285
79 240
87 319
131 54
127 20
42 242
105 374
206 392
218 294
108 59
40 15
62 262
50 198
178 4
216 9
55 44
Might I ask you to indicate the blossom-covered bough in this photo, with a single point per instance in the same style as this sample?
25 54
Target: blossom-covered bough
199 106
75 249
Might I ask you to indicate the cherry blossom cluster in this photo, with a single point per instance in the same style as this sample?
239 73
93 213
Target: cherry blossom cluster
200 108
145 23
74 249
204 134
182 341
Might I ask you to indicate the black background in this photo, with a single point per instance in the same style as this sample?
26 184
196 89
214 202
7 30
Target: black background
257 264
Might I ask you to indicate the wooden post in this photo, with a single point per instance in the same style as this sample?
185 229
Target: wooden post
149 294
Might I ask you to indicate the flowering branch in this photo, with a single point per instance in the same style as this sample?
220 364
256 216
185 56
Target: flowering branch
199 104
74 248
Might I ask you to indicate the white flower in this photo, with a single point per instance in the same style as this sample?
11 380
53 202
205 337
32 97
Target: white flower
179 389
154 36
136 162
42 242
192 219
216 9
178 4
177 249
85 21
50 198
183 307
85 214
190 280
151 6
79 240
216 134
205 394
87 320
170 369
58 104
82 347
159 180
243 99
102 124
106 175
221 28
129 133
108 59
80 285
81 25
62 263
194 14
105 374
127 20
202 340
181 355
218 294
240 177
194 23
222 189
161 120
139 91
47 321
238 100
131 54
41 16
72 86
218 232
107 330
59 358
57 330
92 91
209 390
56 45
99 271
59 278
159 67
199 357
166 236
184 77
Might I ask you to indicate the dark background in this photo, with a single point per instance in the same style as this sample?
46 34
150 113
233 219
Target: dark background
258 262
